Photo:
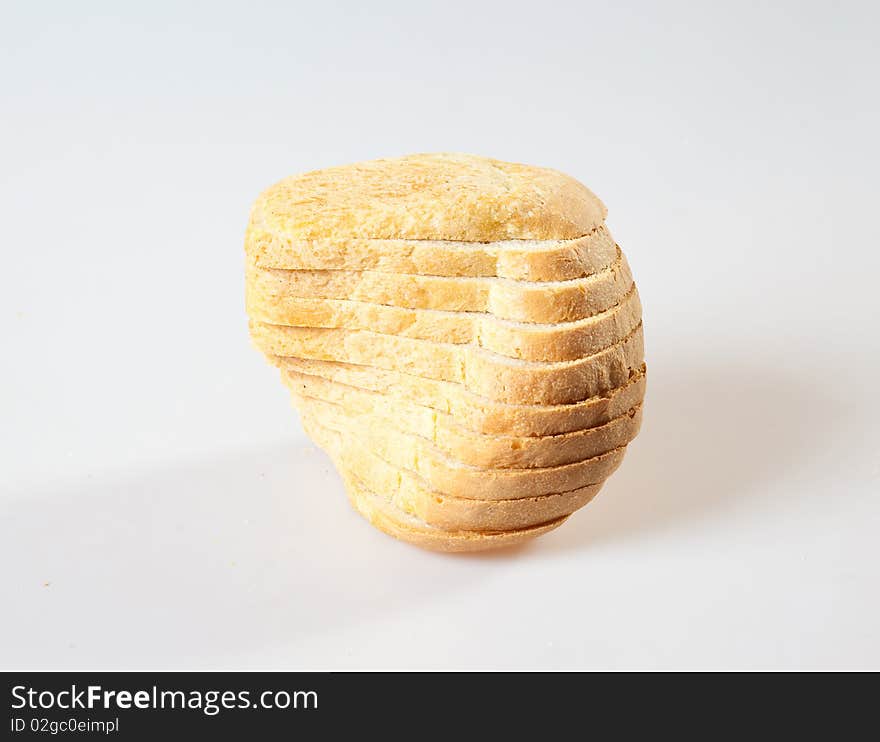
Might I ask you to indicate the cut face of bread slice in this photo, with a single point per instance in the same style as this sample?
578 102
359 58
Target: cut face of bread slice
491 375
520 301
468 447
520 260
412 495
458 479
379 511
472 411
430 197
615 427
527 341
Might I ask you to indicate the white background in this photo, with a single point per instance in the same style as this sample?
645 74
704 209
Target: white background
160 505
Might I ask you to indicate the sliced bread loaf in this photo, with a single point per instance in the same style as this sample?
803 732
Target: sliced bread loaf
462 335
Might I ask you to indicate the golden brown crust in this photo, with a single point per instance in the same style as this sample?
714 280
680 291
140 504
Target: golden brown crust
548 342
415 440
518 260
450 433
501 378
413 496
472 411
519 301
430 197
384 516
457 479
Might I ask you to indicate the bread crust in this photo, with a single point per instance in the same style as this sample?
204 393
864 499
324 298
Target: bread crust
482 372
519 260
548 342
457 479
518 301
415 413
388 519
472 411
442 196
416 438
414 496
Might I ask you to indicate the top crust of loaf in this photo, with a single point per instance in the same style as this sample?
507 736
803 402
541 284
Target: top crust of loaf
430 197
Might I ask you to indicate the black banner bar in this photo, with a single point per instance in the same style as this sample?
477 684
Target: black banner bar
266 705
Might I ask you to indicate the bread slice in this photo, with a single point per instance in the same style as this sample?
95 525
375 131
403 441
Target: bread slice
343 382
520 260
476 447
526 341
438 196
410 431
410 494
521 301
382 514
458 479
492 375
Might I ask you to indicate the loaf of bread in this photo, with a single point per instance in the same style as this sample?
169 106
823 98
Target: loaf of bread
461 335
